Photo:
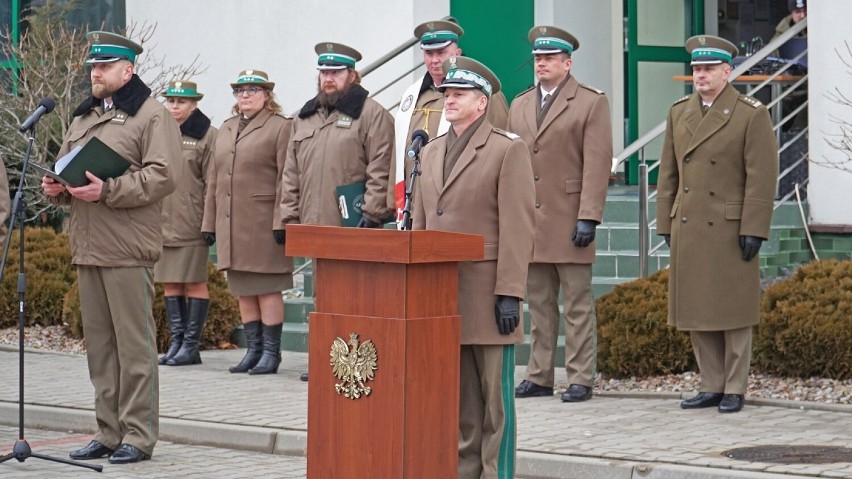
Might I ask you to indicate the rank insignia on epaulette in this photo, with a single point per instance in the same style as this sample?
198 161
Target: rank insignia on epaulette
119 118
681 99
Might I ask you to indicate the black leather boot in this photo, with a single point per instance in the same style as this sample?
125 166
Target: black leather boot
271 358
254 347
177 326
196 315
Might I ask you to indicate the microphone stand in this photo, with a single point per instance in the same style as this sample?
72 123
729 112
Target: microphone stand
21 450
409 193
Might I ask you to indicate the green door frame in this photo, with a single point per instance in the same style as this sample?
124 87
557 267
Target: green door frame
12 63
636 53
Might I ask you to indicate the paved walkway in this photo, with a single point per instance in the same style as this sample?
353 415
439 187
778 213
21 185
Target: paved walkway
219 425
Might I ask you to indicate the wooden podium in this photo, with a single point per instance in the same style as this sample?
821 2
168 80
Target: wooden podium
398 290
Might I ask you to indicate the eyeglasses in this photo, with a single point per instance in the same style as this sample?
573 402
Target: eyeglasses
252 90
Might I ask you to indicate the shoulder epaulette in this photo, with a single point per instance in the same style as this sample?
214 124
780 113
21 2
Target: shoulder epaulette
507 134
753 102
284 115
531 88
681 100
591 88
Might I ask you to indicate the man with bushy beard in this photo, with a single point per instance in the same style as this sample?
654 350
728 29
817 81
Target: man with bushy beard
116 236
339 137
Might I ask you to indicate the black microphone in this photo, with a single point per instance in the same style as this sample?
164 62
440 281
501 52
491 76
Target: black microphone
418 139
46 105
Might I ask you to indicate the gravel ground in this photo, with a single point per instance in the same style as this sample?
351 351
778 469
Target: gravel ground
827 391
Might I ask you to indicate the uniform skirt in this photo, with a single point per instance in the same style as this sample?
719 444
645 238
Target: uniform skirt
247 283
182 264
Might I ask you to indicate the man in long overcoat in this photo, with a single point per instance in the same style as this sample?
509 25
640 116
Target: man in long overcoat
566 126
716 187
477 179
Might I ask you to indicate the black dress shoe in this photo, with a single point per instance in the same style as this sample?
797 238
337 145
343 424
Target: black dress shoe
731 403
93 450
702 400
529 389
304 377
127 454
577 393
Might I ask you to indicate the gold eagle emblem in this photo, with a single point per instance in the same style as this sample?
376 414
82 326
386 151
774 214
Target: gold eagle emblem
354 367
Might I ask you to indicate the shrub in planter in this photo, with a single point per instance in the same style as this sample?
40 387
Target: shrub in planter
47 263
633 337
806 323
222 318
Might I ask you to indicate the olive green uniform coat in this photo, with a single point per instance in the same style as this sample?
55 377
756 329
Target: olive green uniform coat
717 182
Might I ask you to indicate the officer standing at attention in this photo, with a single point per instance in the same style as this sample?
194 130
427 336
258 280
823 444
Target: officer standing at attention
116 236
715 193
422 105
566 126
477 179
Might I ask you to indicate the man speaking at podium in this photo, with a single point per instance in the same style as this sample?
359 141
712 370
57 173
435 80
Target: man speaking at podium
477 179
116 237
422 105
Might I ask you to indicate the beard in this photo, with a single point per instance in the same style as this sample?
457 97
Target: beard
102 90
330 99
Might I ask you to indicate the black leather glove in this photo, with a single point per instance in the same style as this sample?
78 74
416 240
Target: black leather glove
584 233
507 313
365 222
210 238
279 236
668 239
750 246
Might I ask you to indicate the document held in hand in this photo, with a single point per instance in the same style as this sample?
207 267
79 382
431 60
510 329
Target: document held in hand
350 199
95 157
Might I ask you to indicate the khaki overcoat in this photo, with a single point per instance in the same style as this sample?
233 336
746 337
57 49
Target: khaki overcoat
183 210
571 158
123 228
717 182
489 192
352 144
242 202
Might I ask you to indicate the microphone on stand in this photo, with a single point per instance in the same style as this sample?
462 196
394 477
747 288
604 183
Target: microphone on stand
418 139
46 105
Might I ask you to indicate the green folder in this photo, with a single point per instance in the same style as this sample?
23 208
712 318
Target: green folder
350 200
95 156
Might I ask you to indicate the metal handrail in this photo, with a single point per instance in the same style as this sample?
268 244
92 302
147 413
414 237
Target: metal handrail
639 146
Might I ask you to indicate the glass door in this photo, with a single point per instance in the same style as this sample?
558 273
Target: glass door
655 32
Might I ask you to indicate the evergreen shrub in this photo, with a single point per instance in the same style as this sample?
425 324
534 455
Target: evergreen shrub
633 336
806 323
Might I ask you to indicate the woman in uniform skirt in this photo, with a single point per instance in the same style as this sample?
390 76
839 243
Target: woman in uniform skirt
182 268
242 204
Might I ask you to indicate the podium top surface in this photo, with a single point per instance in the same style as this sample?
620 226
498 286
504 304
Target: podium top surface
382 245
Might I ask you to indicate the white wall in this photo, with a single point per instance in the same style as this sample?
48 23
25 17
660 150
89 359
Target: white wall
278 36
829 190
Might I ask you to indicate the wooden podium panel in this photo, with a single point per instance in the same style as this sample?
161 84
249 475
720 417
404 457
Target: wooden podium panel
397 289
408 426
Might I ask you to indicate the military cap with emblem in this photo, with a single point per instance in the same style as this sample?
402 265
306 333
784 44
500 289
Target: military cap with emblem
253 77
336 56
547 40
437 34
710 50
465 72
108 47
796 4
183 89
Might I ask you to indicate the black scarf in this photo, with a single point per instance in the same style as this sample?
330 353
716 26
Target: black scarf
196 125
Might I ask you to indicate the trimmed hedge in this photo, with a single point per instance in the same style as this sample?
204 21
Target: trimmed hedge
806 323
633 336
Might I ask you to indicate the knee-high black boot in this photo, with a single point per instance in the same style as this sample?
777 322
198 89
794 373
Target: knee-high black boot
254 347
271 358
196 315
175 317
